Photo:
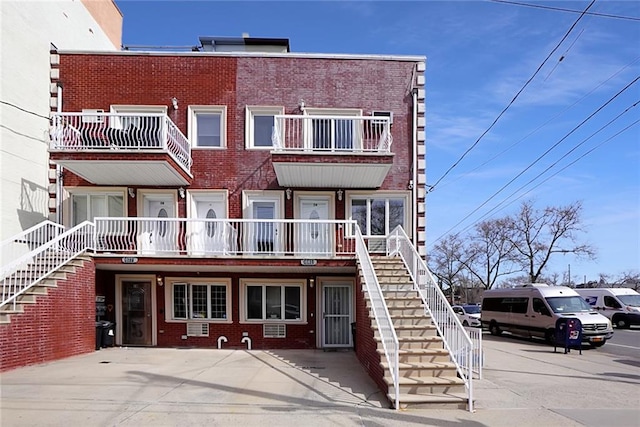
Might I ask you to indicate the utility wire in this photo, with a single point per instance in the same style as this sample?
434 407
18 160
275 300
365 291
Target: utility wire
558 161
539 6
432 187
22 109
542 155
533 132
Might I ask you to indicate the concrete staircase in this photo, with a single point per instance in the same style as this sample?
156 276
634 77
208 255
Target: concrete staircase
39 290
427 376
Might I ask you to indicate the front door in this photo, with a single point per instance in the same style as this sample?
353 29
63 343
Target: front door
208 237
313 237
136 312
264 233
160 235
336 315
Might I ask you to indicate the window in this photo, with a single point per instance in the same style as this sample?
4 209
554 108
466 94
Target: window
86 207
260 122
200 301
207 126
143 124
378 215
273 301
333 133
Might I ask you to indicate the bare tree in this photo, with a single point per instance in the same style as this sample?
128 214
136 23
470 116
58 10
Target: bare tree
489 254
538 234
445 261
629 279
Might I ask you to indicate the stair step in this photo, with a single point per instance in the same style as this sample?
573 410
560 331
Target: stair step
431 400
426 381
422 366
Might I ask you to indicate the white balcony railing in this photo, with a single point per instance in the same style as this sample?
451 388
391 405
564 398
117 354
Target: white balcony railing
332 134
119 131
224 237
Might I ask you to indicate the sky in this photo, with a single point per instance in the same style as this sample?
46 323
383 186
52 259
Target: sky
570 135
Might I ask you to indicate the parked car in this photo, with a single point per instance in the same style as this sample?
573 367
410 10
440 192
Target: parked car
468 314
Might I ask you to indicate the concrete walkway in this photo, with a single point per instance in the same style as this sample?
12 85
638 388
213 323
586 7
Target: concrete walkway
525 384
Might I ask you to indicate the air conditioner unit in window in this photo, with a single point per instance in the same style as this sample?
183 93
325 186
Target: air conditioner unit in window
274 331
88 118
197 329
388 114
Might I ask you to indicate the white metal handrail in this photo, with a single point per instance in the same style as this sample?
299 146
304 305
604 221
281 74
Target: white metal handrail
332 134
224 237
380 311
24 242
92 131
454 336
31 268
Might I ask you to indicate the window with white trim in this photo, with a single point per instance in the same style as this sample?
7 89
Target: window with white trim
273 301
87 206
200 301
378 215
260 123
333 133
208 126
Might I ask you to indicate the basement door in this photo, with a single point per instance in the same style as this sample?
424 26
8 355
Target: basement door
136 313
336 315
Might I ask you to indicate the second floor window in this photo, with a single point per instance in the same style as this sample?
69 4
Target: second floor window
89 206
260 123
207 126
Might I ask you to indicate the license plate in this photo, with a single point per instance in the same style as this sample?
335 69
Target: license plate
597 339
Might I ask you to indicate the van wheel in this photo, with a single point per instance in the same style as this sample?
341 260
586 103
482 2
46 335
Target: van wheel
620 322
550 336
494 329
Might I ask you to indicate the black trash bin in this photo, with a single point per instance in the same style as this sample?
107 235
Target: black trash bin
353 334
108 333
98 335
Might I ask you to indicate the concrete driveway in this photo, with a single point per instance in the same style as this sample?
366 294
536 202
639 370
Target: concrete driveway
525 384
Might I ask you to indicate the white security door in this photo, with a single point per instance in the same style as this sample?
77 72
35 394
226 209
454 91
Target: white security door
313 237
208 236
159 236
336 315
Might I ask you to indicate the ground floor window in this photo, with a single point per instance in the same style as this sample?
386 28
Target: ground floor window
378 215
200 300
268 301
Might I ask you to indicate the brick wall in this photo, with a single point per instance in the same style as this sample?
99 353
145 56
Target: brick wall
59 325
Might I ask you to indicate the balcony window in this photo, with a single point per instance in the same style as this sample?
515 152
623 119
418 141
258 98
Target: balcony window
207 126
273 301
379 215
332 134
200 301
260 125
87 206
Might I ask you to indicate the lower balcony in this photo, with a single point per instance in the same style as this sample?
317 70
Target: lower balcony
121 149
225 238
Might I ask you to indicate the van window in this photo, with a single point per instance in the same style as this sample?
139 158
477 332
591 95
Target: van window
632 300
572 304
506 305
611 302
539 307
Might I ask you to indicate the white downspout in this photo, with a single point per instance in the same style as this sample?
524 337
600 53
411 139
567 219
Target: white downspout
414 189
59 183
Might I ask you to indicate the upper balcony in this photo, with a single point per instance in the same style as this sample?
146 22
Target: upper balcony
331 151
121 149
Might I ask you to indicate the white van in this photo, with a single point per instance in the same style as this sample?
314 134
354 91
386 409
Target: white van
621 305
532 311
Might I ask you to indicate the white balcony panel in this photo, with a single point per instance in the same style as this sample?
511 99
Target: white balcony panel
120 172
339 175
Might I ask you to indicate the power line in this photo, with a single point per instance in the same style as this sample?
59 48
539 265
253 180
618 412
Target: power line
542 155
561 158
533 132
539 6
22 109
432 187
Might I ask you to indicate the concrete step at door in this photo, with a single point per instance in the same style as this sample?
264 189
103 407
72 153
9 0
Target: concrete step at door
424 369
420 355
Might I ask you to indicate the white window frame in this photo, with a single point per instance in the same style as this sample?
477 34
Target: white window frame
133 109
346 112
257 110
282 283
189 282
93 191
192 124
406 196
